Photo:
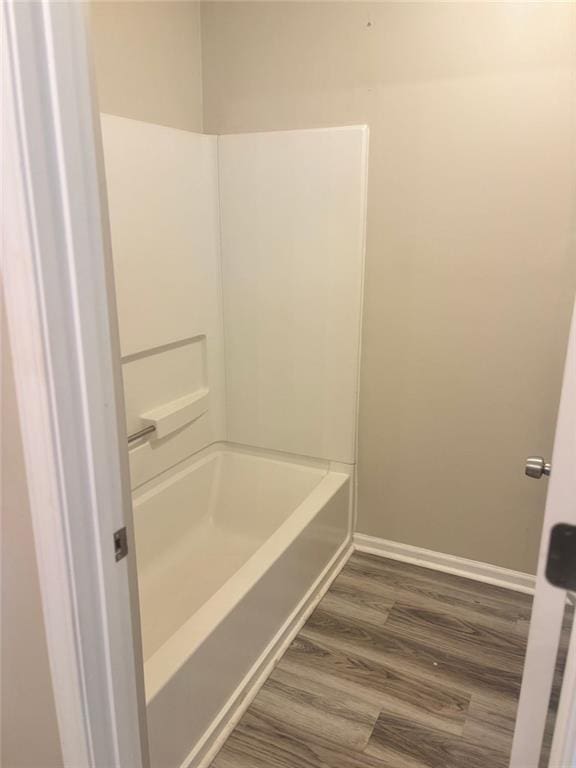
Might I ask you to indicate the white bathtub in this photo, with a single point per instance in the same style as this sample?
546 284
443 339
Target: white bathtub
230 547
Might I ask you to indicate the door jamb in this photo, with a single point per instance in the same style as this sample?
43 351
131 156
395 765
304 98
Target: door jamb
58 288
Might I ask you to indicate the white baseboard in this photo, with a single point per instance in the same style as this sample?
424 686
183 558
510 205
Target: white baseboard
229 716
437 561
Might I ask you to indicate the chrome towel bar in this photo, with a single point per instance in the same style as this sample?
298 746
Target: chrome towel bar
142 433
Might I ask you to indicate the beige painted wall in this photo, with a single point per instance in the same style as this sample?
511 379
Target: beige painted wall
471 264
28 729
148 61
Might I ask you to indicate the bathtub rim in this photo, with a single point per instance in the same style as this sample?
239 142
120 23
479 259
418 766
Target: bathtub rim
146 488
166 661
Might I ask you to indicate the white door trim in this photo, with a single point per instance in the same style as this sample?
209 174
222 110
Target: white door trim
549 601
62 325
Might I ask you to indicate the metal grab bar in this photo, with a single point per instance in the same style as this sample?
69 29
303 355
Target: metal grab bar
142 433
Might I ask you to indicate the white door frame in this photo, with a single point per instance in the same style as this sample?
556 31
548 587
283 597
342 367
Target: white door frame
57 280
550 601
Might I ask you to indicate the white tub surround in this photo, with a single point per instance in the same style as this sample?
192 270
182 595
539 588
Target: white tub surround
164 216
228 546
292 210
239 267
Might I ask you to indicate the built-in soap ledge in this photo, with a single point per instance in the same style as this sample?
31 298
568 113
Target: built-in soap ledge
171 416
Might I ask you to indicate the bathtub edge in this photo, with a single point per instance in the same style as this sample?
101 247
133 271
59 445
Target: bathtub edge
226 720
169 656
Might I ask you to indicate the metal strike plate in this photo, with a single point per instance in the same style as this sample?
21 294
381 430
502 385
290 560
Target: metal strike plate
120 543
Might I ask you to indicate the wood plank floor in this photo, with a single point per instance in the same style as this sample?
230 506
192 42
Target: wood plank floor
398 667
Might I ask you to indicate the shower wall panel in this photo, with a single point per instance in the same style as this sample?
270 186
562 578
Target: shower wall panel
251 244
163 202
293 207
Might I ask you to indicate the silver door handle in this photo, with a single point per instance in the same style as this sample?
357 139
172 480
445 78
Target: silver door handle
536 466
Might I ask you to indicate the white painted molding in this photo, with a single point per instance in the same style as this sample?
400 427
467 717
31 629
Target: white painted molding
227 719
438 561
60 310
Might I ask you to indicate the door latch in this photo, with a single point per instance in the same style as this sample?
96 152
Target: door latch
561 563
120 543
